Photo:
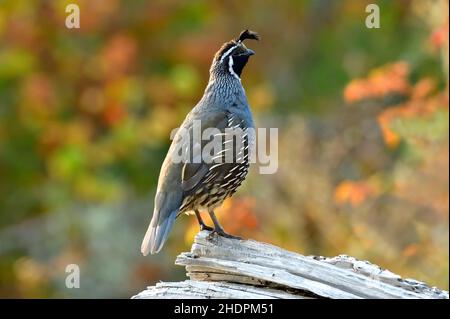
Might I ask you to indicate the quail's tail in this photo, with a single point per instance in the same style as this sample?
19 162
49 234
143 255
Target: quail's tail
157 233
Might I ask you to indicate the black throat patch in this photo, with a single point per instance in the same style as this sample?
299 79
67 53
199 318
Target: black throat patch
239 62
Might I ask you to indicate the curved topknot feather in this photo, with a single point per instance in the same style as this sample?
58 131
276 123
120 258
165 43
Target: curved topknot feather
246 34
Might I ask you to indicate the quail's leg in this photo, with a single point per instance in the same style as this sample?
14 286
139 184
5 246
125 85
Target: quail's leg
218 228
203 226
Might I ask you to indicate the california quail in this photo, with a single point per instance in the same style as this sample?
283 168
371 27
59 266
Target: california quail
189 185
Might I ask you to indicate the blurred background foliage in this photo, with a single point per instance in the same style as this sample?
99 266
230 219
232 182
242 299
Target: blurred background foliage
85 117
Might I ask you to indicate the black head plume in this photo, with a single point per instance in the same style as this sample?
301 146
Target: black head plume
246 34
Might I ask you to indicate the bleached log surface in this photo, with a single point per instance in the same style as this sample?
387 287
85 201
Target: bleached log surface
228 268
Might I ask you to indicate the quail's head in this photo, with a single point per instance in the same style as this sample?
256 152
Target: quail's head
233 56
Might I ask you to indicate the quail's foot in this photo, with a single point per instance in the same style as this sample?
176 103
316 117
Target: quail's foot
221 232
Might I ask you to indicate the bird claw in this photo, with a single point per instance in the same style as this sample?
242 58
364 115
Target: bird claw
221 232
226 235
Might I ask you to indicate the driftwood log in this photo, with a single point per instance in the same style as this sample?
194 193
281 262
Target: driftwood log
228 268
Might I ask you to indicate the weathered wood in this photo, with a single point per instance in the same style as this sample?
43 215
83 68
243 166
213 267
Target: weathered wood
203 289
228 268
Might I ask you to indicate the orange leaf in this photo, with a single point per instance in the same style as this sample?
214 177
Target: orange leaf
390 137
354 193
440 36
391 78
113 114
410 250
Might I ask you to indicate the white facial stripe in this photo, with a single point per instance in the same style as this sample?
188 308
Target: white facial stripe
227 53
230 68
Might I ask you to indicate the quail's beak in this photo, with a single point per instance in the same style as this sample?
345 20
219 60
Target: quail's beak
250 52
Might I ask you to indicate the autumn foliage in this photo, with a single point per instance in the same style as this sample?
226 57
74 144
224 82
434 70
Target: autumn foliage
86 114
